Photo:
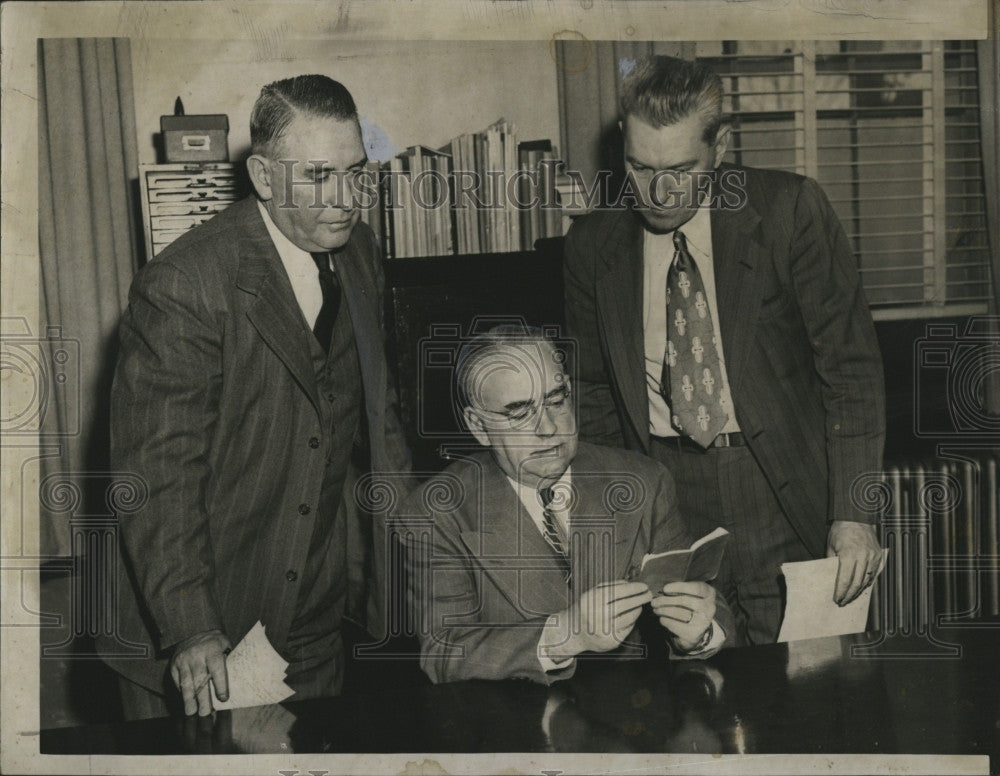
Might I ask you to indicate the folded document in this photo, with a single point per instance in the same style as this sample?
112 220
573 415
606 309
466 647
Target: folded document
811 611
256 673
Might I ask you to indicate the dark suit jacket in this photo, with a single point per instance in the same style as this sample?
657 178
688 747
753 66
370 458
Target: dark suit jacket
214 405
801 354
484 581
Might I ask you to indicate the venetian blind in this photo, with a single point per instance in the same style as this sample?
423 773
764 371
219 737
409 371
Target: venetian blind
891 130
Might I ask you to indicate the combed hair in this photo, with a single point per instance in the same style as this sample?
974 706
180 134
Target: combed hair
474 353
664 90
279 102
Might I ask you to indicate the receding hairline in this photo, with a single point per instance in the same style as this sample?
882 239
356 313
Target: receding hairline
274 147
473 363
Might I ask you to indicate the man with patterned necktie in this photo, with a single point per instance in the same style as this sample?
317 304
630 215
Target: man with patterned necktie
722 330
535 545
251 381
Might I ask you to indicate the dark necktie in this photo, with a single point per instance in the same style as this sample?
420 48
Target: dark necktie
330 286
691 379
553 534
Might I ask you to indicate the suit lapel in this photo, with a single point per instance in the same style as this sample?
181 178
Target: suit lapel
518 560
515 557
737 252
619 310
604 536
358 291
275 313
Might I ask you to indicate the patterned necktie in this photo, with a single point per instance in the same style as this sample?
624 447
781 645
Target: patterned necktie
691 379
553 533
330 286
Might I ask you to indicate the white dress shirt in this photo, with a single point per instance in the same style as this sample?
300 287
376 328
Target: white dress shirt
300 268
657 256
532 501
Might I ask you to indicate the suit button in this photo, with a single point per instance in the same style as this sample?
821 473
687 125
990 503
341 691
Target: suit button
314 443
304 509
330 397
291 576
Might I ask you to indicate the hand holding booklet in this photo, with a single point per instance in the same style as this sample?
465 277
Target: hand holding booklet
698 563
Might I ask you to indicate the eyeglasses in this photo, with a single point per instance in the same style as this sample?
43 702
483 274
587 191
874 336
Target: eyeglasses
556 403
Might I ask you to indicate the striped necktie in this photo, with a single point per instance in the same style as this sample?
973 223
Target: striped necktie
553 533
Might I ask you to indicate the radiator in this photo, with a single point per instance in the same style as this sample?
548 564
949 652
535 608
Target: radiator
942 526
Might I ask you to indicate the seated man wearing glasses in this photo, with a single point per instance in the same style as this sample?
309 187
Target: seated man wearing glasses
520 558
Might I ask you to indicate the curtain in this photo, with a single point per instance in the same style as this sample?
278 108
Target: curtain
989 112
88 174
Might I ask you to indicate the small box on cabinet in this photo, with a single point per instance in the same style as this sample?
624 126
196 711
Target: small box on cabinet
195 138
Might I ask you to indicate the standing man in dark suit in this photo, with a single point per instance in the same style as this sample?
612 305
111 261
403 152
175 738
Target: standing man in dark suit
723 331
536 544
252 371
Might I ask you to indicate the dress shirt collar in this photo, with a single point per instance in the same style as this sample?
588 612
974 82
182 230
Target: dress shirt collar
297 261
530 497
698 231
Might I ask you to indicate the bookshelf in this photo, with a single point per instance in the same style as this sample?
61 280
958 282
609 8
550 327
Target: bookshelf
483 192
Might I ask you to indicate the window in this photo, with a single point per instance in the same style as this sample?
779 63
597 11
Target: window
890 129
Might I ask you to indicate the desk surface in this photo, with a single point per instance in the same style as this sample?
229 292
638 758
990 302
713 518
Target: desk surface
825 696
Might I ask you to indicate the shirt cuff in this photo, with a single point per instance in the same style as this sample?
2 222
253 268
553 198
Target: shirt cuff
713 646
551 662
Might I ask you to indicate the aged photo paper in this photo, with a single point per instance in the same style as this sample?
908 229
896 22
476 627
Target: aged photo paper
216 54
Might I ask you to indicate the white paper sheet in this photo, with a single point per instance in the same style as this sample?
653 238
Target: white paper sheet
810 611
256 673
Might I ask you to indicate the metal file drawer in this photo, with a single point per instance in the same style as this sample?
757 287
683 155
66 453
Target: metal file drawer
178 197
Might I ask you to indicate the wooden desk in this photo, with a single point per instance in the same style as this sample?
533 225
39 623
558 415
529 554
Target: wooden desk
810 697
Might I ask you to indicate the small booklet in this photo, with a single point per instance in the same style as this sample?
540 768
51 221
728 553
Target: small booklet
698 563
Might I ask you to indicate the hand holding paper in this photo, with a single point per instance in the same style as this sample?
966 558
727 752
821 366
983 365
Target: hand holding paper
811 611
856 546
194 661
256 673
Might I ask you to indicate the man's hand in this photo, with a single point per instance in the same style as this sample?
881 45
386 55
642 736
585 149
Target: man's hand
195 661
600 619
686 610
860 558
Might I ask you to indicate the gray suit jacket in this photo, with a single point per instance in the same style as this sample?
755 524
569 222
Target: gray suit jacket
801 354
214 406
484 581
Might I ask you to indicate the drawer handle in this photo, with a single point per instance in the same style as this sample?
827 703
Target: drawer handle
196 143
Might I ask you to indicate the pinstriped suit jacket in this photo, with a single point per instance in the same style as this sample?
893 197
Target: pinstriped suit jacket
484 581
214 405
801 354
